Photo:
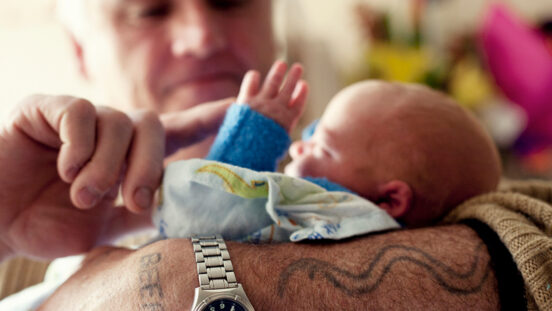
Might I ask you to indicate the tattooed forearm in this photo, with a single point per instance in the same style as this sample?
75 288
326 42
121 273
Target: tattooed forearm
355 284
151 292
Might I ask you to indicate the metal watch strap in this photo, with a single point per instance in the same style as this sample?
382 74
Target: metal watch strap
213 263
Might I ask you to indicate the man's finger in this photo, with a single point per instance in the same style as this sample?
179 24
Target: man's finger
78 135
190 126
145 161
101 173
61 122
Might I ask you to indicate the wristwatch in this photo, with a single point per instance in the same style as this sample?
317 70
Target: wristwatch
218 289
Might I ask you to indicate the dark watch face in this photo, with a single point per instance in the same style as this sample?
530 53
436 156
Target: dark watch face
224 304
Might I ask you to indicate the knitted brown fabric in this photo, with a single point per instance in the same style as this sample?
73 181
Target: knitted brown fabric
521 214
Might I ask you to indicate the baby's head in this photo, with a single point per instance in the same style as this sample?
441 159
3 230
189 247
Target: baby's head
411 150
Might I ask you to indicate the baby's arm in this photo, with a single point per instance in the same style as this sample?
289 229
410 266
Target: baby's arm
280 98
254 134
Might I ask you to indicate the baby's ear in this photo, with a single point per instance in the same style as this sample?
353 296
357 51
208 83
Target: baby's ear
395 197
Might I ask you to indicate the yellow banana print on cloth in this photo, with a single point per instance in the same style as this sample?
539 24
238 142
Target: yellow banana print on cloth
233 183
205 197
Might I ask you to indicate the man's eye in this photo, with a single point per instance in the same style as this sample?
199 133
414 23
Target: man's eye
155 11
227 4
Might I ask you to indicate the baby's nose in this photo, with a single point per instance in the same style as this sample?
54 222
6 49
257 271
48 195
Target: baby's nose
296 149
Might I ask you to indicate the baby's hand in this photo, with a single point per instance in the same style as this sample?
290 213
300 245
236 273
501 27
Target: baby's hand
279 100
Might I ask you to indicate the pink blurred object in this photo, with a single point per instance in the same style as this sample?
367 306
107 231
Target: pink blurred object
521 64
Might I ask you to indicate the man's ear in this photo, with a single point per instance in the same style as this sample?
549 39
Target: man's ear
79 55
395 197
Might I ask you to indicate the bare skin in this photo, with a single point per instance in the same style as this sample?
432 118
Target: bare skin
280 97
170 55
379 138
443 267
413 151
397 270
32 149
54 148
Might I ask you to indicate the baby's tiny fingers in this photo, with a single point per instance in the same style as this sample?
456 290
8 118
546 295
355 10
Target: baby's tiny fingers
297 103
293 77
249 87
273 80
299 95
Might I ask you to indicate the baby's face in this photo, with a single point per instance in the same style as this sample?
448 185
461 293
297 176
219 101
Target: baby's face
357 140
339 148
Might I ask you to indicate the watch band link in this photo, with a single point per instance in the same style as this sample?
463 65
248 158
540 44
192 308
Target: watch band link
213 262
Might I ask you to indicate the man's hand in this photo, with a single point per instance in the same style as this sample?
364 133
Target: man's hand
190 133
279 100
63 161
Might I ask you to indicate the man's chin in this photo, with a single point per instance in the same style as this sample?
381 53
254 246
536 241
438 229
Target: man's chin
198 93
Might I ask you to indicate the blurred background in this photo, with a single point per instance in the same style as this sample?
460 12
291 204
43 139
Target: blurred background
494 57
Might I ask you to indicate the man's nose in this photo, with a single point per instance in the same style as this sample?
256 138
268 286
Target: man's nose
196 31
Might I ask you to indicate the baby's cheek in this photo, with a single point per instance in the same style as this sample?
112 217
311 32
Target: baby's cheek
291 169
303 167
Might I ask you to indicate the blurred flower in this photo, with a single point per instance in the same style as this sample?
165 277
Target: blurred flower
469 84
398 62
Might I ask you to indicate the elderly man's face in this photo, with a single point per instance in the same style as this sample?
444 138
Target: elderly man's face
173 54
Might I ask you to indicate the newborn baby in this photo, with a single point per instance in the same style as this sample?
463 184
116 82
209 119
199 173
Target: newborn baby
407 150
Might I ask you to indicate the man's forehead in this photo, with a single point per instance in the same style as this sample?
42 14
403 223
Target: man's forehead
106 8
149 1
119 3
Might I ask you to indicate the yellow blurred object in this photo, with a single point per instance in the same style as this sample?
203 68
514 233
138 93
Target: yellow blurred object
469 84
398 62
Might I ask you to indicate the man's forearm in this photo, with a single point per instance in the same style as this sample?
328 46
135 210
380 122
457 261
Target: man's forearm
435 268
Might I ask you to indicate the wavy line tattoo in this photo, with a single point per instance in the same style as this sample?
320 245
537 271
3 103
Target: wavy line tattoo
456 282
